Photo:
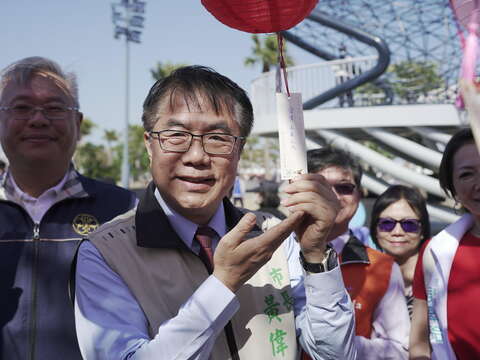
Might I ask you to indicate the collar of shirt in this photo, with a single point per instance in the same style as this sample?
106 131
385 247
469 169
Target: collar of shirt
186 229
69 186
339 243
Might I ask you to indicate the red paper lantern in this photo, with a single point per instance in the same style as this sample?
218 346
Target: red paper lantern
260 16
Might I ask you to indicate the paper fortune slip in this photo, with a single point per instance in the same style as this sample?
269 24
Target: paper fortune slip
291 134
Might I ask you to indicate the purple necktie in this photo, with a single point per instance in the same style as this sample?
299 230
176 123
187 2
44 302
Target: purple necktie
204 236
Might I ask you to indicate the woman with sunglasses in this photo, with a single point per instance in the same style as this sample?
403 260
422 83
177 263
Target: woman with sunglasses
399 226
446 285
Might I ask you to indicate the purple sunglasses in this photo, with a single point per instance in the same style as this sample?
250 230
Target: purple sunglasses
408 225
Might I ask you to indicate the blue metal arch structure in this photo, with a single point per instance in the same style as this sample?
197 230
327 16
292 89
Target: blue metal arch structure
415 31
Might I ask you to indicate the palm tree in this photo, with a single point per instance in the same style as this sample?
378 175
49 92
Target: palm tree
266 53
162 70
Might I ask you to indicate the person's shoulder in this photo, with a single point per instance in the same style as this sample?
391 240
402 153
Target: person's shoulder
99 185
105 189
119 226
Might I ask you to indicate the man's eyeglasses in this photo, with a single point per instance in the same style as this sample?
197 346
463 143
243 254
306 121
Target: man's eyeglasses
344 188
26 112
408 225
180 141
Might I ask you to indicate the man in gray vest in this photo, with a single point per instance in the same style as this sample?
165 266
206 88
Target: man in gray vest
186 275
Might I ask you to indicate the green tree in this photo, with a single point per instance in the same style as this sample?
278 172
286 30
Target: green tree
412 79
110 136
105 161
265 52
137 154
86 127
92 161
162 70
370 94
409 80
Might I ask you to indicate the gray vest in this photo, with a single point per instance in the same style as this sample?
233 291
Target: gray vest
162 279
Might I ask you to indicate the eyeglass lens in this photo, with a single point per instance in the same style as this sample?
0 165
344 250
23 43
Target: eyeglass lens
408 225
25 111
180 141
344 188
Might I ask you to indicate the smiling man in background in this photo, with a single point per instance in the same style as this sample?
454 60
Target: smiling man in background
46 207
373 279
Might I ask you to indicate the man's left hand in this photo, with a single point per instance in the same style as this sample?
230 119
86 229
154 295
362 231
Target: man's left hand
312 194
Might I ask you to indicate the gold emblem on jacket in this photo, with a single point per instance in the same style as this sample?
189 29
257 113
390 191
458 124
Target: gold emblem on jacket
84 224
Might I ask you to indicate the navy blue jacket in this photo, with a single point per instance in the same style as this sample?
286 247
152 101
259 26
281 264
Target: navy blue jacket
36 316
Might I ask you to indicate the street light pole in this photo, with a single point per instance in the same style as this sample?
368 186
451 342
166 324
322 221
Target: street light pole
126 142
127 14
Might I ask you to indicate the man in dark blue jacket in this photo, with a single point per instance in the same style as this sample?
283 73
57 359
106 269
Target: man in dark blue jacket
46 207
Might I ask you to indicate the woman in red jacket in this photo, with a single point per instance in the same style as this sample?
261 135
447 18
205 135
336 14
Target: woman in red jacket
446 284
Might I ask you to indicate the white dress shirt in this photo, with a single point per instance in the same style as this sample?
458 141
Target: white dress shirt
111 325
391 322
36 207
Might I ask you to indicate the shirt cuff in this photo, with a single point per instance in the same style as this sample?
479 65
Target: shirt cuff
321 287
222 305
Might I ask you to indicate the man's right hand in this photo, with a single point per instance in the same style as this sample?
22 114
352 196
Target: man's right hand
236 260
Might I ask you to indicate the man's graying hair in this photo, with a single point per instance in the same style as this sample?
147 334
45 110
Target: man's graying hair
319 159
22 71
196 84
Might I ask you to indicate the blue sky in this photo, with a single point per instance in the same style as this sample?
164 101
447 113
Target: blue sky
79 36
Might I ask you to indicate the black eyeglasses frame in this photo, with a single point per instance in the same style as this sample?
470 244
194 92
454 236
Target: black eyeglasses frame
157 134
